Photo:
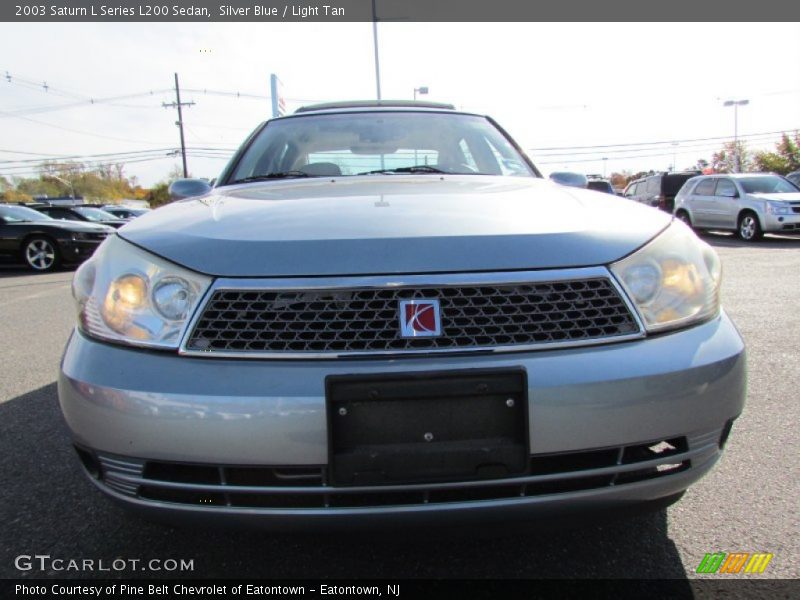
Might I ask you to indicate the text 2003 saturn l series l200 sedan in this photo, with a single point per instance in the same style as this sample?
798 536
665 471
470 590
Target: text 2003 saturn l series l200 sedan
383 314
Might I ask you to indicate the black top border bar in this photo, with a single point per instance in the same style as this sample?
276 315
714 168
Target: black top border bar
339 11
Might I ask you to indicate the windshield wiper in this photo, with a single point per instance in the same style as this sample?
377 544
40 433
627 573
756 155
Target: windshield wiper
277 175
412 169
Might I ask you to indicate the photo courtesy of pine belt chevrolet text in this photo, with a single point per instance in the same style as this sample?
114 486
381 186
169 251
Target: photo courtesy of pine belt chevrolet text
380 313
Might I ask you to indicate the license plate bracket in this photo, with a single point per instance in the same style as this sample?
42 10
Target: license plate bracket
404 428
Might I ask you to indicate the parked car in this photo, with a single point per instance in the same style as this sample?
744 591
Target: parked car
748 203
601 185
794 178
43 243
86 213
658 190
570 179
124 212
370 320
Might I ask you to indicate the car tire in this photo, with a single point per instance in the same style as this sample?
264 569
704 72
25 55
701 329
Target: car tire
749 229
684 217
41 254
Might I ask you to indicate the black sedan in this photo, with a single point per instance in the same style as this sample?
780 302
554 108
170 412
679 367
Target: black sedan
126 213
90 214
44 243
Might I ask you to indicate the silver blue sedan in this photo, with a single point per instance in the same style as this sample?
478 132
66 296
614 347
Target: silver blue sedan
383 314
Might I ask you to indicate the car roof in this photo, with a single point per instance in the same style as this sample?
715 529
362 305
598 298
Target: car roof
738 175
374 104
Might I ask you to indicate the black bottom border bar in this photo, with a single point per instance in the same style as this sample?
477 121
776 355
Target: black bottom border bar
109 587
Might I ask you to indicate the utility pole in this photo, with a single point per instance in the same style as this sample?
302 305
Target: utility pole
178 104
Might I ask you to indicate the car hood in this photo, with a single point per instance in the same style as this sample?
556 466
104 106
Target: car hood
787 197
394 224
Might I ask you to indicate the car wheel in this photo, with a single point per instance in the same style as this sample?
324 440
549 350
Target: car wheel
41 254
683 216
749 228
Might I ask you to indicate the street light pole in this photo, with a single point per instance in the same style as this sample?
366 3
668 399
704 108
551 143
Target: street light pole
674 156
736 104
422 90
375 43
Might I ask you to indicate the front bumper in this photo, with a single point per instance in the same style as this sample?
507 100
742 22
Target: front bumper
78 250
782 223
592 411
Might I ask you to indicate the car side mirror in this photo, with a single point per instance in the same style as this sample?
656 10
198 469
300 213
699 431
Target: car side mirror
188 188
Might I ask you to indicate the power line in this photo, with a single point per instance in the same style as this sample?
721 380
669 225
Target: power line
659 142
63 157
93 166
633 152
618 158
97 135
80 99
661 146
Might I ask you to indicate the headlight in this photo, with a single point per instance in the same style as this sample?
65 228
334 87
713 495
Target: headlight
673 281
778 208
128 295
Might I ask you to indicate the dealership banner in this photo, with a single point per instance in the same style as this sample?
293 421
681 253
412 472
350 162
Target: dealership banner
398 10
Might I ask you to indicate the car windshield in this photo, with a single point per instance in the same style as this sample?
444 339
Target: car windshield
379 143
767 184
95 214
21 214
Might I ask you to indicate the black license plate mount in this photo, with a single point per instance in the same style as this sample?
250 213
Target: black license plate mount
406 428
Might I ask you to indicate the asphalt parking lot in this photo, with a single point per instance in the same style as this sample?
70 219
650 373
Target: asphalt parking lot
747 504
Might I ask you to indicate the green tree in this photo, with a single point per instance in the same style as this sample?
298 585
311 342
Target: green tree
785 159
158 194
733 158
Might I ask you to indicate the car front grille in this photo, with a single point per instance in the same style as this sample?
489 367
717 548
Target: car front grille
308 488
342 321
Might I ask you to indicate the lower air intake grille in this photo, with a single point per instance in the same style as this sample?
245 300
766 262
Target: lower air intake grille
308 487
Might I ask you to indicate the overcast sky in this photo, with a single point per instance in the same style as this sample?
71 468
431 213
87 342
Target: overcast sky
549 85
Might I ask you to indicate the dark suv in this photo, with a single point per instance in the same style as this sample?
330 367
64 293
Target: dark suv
658 190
